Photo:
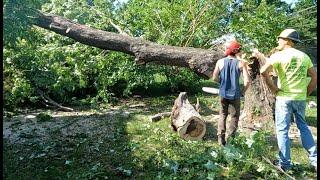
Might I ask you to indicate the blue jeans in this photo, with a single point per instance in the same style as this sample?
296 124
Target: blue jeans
283 111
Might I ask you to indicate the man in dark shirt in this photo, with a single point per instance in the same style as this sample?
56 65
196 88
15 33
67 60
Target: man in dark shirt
227 72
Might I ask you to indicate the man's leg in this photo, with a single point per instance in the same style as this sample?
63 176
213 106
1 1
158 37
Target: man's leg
222 121
305 133
283 113
234 113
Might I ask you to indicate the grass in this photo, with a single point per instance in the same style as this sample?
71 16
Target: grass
130 146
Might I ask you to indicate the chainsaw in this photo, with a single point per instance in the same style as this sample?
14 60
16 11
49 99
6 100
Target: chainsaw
210 90
215 91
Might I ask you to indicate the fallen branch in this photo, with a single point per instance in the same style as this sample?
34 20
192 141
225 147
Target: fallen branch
159 116
225 168
118 28
279 169
50 101
137 105
197 106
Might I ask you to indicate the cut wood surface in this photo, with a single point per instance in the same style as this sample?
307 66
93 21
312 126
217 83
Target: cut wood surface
186 120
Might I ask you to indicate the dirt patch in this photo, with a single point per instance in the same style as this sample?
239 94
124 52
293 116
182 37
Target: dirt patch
24 128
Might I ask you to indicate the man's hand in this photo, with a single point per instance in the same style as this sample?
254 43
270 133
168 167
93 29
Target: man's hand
264 71
256 53
274 90
241 56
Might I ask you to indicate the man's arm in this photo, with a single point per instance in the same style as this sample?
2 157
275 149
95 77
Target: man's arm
246 76
313 83
264 71
215 75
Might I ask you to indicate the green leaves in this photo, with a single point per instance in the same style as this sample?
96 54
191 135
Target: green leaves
210 165
191 23
231 153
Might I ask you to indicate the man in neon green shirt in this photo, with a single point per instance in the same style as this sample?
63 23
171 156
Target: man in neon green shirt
292 67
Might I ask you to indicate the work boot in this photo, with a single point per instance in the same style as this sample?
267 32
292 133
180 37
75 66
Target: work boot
279 167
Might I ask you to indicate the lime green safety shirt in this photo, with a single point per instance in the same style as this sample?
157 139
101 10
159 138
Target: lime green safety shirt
291 66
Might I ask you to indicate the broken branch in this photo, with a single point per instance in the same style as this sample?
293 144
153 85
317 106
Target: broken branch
159 116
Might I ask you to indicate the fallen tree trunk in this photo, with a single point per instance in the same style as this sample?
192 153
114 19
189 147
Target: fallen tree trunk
259 102
186 120
201 61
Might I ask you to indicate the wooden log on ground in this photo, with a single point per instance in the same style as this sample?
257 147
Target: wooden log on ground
159 116
186 120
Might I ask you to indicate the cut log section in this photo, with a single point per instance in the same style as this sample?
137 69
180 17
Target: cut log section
186 120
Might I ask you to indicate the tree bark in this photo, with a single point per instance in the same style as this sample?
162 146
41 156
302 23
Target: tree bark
186 120
201 61
259 100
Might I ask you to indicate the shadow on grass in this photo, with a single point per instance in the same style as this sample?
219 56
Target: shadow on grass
68 147
78 146
211 132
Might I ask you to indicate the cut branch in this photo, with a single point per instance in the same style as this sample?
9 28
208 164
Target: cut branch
159 116
278 168
52 102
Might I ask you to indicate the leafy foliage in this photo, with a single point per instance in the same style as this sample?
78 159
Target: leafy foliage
71 72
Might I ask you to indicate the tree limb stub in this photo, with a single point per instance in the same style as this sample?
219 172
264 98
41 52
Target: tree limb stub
201 61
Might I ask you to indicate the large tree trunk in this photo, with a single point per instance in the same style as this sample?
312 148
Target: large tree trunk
186 120
258 99
201 61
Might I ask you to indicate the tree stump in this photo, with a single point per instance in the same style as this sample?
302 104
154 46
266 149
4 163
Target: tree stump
259 100
186 120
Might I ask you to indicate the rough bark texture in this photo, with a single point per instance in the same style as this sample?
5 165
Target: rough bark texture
201 61
259 101
186 120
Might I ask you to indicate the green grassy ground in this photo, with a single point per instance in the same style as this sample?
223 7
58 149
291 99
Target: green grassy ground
125 144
